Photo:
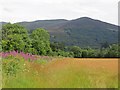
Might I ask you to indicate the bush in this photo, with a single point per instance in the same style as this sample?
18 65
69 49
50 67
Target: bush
11 66
77 52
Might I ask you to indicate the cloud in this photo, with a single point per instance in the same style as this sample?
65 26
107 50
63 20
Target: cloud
29 10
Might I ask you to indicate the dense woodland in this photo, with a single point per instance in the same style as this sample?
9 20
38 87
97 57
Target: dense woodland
82 32
16 38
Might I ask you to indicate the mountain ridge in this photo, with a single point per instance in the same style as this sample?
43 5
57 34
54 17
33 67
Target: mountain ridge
81 32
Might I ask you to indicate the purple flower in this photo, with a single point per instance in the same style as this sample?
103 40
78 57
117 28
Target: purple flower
26 56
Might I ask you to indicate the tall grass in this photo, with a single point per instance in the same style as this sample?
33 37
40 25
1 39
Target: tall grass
59 73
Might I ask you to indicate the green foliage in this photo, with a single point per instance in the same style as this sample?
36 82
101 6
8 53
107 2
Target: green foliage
113 51
82 32
110 51
89 52
40 41
55 46
77 51
15 37
11 66
63 53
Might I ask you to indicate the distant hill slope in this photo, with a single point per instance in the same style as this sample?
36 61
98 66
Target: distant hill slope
46 24
82 32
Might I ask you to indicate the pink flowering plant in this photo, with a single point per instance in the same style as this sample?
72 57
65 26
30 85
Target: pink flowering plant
26 56
14 61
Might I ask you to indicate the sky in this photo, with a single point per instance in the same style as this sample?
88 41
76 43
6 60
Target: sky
31 10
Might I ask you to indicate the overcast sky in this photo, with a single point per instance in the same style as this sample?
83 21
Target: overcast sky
30 10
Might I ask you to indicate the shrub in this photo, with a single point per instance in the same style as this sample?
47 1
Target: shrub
11 66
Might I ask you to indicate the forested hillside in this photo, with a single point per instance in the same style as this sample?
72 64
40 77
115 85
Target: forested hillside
81 32
16 38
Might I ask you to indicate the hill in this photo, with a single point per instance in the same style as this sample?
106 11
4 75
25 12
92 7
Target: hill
81 32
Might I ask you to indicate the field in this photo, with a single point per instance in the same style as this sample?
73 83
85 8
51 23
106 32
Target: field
32 60
64 73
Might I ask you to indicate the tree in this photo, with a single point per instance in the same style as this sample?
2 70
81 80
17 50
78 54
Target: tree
15 37
41 41
89 53
113 51
76 51
55 46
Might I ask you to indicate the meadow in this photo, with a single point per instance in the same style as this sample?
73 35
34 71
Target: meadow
22 70
33 60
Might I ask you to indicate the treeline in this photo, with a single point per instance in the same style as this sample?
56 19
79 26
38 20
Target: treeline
110 51
16 37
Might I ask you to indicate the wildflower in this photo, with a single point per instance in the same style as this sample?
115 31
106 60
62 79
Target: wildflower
26 56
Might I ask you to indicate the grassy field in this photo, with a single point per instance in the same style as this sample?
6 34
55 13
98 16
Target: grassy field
64 73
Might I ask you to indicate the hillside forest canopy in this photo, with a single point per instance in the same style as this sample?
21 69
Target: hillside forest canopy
16 38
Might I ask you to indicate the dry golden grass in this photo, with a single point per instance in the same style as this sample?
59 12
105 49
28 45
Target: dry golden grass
109 64
69 73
